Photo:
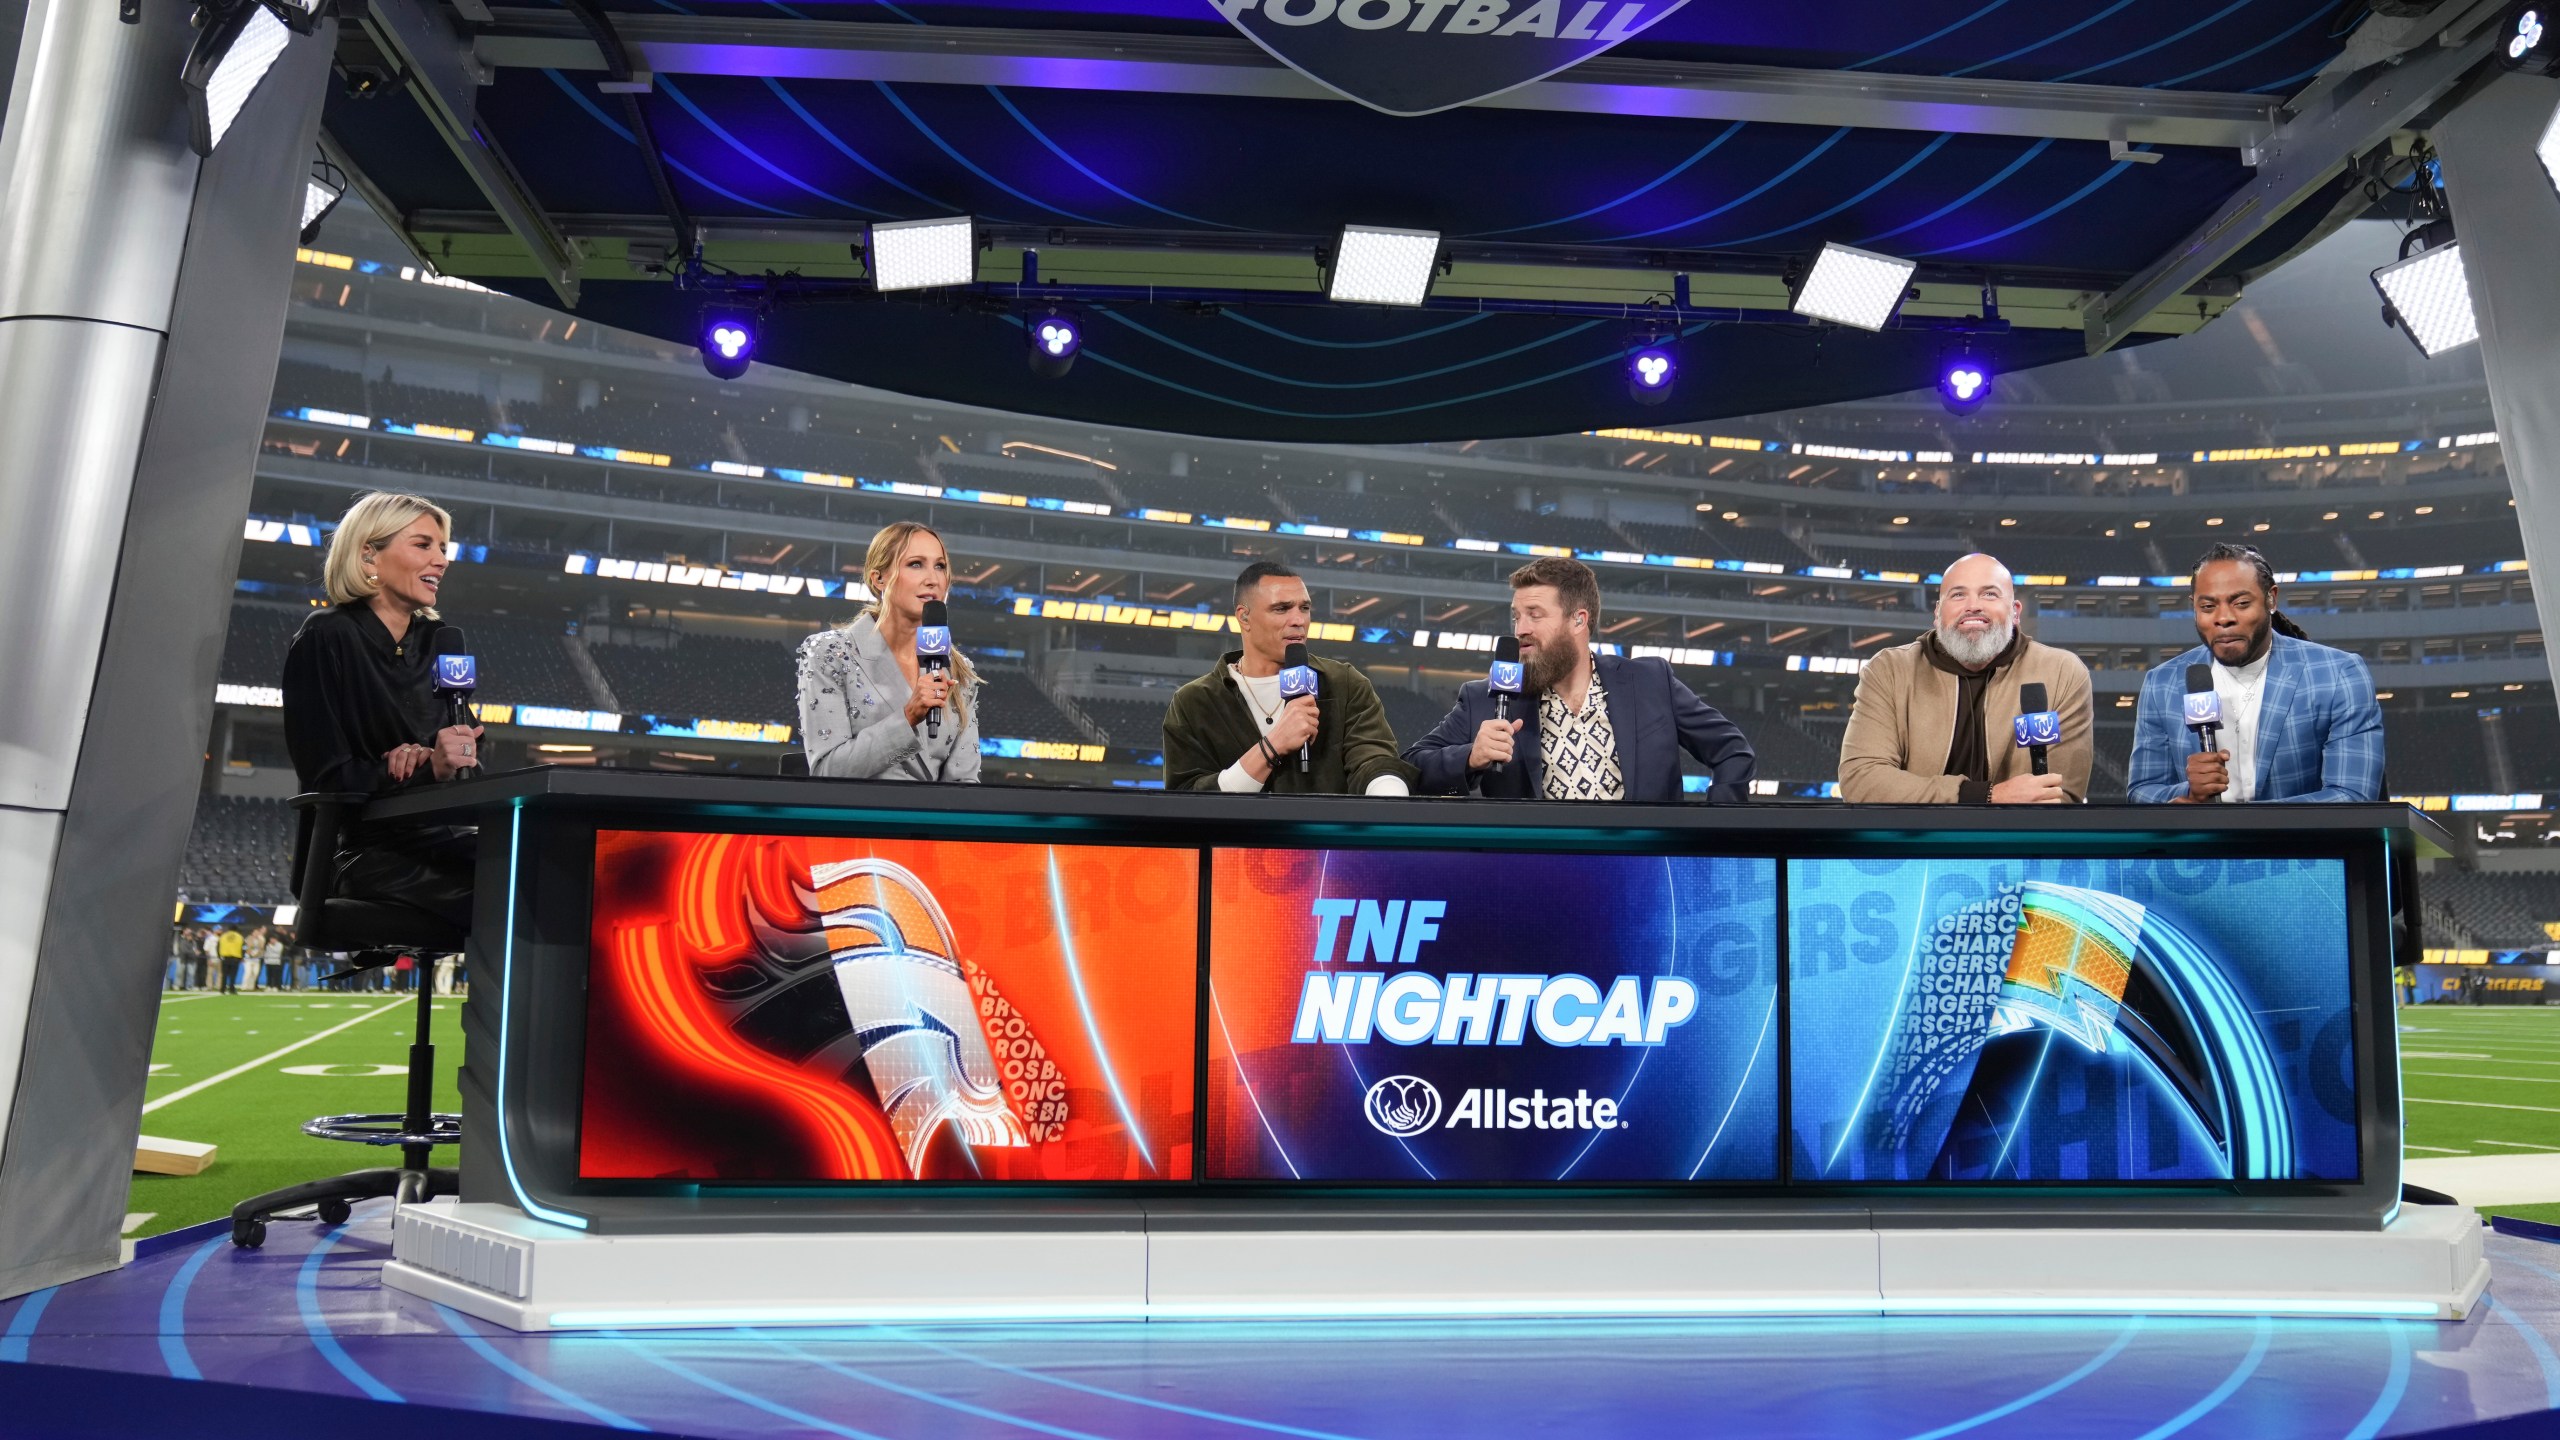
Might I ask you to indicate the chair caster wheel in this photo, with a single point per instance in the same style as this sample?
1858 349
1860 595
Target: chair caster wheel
248 1234
335 1212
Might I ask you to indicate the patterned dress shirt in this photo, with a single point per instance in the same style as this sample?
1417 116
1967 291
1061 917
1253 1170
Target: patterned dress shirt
1579 748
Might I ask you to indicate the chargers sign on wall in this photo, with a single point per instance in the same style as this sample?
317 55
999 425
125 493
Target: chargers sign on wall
1415 57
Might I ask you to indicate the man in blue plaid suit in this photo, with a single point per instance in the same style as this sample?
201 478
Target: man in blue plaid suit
2299 720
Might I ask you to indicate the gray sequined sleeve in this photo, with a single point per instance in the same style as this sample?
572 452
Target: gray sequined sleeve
845 737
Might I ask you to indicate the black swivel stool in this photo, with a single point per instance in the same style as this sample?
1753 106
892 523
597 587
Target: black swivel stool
370 934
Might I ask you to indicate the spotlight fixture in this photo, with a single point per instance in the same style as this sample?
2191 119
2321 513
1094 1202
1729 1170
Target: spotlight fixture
1964 383
1854 287
321 191
2427 295
728 343
1373 266
1651 372
238 44
921 254
1055 342
2530 40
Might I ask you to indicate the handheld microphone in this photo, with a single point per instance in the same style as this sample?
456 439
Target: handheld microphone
1505 681
2204 708
933 654
2039 727
1297 678
457 675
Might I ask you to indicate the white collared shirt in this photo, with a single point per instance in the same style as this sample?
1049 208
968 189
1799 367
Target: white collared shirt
2240 689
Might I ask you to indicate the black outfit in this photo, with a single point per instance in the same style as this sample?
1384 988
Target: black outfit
1970 754
351 695
1652 715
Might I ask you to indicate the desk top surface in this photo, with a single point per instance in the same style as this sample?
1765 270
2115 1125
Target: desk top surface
742 797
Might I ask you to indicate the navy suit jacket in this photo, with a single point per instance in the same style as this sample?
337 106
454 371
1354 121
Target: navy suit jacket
1652 715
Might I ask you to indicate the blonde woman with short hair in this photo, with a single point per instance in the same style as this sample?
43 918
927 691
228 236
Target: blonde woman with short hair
360 710
864 703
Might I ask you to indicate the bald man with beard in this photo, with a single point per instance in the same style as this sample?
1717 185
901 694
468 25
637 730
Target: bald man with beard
1932 722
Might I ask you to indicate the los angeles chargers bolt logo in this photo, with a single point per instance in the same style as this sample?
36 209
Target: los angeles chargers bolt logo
1402 1105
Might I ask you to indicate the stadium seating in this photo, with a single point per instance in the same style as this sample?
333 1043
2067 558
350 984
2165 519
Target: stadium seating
239 852
253 653
1015 708
2501 911
716 677
300 383
1403 514
422 405
522 663
1787 751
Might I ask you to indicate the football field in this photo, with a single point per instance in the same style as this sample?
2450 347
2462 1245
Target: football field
245 1071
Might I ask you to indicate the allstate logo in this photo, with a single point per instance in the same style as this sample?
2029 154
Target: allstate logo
1402 1105
1506 675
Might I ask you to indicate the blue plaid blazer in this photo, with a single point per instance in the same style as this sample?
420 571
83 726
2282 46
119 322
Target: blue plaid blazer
2319 728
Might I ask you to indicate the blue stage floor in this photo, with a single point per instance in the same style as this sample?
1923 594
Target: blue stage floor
308 1322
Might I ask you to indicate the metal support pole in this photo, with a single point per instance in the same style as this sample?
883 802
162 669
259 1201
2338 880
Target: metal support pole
2508 217
142 303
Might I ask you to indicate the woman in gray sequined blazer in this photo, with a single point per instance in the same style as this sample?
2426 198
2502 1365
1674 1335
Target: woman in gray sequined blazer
865 713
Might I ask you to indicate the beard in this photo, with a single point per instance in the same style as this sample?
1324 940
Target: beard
1549 664
1977 651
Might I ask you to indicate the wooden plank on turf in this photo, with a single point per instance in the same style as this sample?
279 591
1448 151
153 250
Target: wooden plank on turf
153 1155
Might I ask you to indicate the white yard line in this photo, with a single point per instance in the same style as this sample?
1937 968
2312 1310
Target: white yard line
2465 1075
2482 1105
2518 1145
2438 1149
174 1096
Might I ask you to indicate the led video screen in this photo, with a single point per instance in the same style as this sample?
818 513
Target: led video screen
775 1008
2062 1020
1390 1016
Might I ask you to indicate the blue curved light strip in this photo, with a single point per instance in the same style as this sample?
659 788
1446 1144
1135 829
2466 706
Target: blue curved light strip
2222 14
2041 216
1748 1067
2260 1124
506 1011
1925 39
504 1365
857 157
2532 1338
306 1299
2229 1387
1905 168
970 165
1243 369
1275 331
1246 1081
22 1326
2049 39
2394 1386
1763 188
667 85
2228 61
1901 989
1169 1406
1614 357
722 1387
1084 1007
1639 192
1088 172
947 1402
1961 201
1351 1061
173 1313
2043 1393
697 177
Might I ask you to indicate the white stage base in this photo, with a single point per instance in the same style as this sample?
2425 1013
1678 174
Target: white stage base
496 1263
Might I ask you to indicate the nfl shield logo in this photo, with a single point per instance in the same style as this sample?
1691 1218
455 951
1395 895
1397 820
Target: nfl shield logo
1415 57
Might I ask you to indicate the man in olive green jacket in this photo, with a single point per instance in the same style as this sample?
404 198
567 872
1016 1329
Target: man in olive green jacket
1932 724
1232 729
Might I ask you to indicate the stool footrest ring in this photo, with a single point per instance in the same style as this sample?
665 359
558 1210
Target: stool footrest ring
441 1129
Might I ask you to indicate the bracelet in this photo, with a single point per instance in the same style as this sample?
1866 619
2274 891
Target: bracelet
1270 756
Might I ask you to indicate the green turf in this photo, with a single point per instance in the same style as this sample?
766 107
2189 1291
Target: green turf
256 1117
2479 1081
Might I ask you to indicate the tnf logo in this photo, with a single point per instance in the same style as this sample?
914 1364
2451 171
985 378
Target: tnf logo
2204 707
1506 676
1402 1105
